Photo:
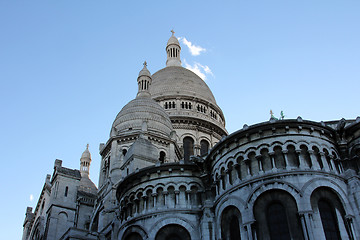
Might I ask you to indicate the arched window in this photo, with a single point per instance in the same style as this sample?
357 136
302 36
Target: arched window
188 145
276 216
277 221
173 232
230 223
133 236
204 147
328 220
124 151
162 157
326 203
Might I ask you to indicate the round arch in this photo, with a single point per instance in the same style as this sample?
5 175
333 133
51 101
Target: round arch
313 184
173 232
183 222
276 216
329 212
230 223
134 232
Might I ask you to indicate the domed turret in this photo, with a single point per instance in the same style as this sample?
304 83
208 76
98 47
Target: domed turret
85 161
144 82
173 50
142 114
86 185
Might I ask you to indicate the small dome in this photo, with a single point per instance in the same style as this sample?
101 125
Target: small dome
142 114
144 71
86 153
173 40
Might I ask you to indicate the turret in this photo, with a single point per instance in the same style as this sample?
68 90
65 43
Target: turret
85 161
144 82
173 50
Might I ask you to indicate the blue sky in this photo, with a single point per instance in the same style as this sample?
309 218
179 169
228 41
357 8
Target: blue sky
68 67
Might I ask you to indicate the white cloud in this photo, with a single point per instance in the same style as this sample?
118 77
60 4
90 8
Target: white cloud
207 70
199 69
194 50
31 197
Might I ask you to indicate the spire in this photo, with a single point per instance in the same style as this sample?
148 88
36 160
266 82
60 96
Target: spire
144 82
85 161
173 50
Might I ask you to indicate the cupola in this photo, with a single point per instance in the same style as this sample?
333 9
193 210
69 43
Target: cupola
173 50
144 82
85 161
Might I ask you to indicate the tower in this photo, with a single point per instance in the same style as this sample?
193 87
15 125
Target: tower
85 162
173 50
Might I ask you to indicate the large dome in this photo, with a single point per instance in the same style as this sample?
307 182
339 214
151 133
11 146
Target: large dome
132 116
179 81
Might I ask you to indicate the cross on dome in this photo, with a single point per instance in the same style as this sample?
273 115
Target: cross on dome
172 31
145 64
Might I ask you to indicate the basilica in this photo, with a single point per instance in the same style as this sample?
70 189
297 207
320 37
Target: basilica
171 171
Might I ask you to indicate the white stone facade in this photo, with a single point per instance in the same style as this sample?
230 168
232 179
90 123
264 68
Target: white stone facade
281 179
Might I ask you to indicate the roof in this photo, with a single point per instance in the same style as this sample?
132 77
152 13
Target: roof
69 172
179 81
142 109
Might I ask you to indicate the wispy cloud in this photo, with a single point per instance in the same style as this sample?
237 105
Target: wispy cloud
199 69
31 197
194 50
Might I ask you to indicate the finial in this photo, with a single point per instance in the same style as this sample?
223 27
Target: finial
145 64
172 31
87 146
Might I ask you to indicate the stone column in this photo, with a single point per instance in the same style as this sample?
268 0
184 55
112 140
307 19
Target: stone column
187 199
237 167
196 149
324 161
178 104
350 225
261 169
340 165
154 195
207 222
303 226
228 173
177 192
248 229
137 202
301 159
285 153
224 182
315 163
248 165
307 225
166 194
272 157
332 163
145 203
